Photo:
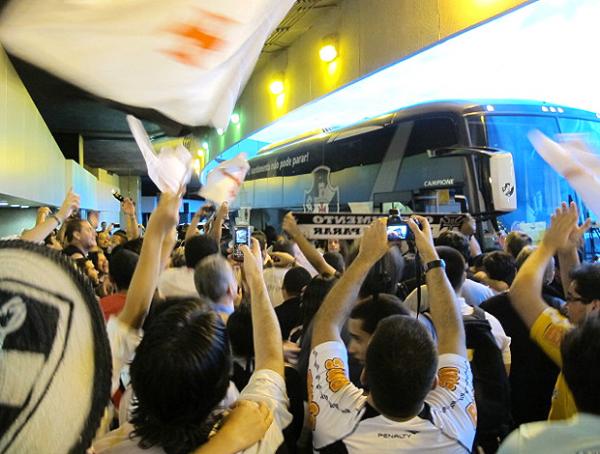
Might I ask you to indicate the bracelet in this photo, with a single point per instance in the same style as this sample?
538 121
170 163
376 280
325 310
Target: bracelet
435 264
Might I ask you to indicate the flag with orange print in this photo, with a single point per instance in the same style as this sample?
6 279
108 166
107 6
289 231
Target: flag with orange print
187 59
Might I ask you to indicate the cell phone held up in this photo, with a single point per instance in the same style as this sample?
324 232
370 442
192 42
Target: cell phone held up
241 236
117 195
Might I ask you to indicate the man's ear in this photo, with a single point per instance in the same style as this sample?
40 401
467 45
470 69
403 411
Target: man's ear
435 382
595 305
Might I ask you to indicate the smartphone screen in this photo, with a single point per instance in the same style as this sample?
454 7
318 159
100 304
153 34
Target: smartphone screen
397 232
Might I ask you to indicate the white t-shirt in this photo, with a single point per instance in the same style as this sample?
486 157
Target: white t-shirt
264 385
473 292
177 283
274 281
580 434
123 341
340 413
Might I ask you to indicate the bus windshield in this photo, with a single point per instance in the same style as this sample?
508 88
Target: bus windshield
539 188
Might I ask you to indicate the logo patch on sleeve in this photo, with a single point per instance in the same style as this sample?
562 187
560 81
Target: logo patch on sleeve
448 377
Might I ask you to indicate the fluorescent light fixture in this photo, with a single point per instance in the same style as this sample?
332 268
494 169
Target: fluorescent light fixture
14 205
235 118
24 206
3 203
504 58
220 131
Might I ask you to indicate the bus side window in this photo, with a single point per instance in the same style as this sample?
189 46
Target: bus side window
431 133
417 169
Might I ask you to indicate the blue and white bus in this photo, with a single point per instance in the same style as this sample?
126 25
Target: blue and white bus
433 157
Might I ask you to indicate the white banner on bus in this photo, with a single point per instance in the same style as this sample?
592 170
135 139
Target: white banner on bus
349 226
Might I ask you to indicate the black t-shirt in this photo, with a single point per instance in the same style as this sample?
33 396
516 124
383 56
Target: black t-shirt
532 373
289 314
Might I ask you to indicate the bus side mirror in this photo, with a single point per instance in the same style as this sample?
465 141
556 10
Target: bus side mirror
502 182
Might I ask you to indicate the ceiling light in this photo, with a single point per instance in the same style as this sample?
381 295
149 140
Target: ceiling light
15 206
220 131
205 145
328 51
276 87
24 206
3 203
235 118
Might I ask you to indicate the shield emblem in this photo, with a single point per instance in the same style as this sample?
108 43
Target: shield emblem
322 197
54 357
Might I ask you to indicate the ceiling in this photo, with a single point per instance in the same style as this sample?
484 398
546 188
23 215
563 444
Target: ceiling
69 111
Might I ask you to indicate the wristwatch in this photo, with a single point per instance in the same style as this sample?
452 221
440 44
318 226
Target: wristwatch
435 264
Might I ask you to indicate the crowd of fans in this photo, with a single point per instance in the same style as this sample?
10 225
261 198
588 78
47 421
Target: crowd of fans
358 347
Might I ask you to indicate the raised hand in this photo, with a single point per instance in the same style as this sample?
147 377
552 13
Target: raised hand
253 266
423 237
374 242
223 211
42 214
69 206
290 226
128 207
166 215
203 211
563 228
576 234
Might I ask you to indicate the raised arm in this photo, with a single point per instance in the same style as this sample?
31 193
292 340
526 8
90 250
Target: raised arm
526 289
145 278
192 230
132 229
45 227
310 252
166 248
568 258
445 312
266 333
216 227
338 303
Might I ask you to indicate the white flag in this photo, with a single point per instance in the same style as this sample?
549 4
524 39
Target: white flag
224 181
574 160
171 168
188 59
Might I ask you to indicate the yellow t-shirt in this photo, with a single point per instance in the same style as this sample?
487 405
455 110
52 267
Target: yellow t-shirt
548 332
